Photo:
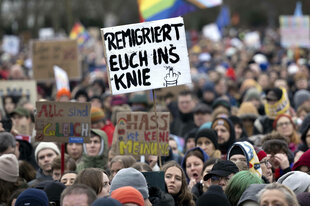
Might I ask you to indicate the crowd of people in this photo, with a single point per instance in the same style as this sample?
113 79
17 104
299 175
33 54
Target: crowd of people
239 134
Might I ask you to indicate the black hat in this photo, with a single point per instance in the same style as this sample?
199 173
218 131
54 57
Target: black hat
222 169
208 133
202 109
236 150
221 102
214 196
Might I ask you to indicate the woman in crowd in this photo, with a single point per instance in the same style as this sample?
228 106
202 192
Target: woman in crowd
176 184
96 179
119 162
286 127
206 139
75 151
277 193
192 164
95 152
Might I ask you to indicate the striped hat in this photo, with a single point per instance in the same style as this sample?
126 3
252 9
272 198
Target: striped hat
96 114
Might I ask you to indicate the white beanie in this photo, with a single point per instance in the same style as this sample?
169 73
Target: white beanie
9 169
46 145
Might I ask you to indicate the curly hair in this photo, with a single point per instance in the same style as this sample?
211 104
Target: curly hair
184 197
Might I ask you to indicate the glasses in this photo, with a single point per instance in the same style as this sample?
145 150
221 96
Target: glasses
266 162
215 178
281 124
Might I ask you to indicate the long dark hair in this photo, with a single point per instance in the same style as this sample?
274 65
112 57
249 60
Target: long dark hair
184 197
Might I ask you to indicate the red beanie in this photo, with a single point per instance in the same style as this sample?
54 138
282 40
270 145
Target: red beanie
128 194
261 154
304 160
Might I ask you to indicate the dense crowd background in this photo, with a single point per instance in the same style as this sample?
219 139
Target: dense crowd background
240 133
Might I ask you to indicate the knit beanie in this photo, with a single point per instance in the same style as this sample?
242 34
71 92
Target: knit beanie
9 168
130 177
53 191
32 197
46 145
300 97
214 196
236 150
304 160
221 102
261 154
221 121
128 194
247 110
63 92
106 201
297 181
208 133
96 114
251 94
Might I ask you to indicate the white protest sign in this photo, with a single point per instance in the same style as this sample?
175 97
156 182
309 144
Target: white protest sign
212 32
46 33
11 44
252 40
295 31
146 55
61 77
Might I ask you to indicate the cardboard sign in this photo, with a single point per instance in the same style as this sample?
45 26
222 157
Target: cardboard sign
62 122
252 40
20 89
61 77
146 55
136 133
46 54
10 44
295 31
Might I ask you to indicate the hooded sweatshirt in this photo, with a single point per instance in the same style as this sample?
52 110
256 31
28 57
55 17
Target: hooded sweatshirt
251 156
183 164
101 159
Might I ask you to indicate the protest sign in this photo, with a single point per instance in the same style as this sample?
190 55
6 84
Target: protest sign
136 133
21 89
46 54
10 44
146 55
62 122
212 32
61 77
46 33
252 40
295 31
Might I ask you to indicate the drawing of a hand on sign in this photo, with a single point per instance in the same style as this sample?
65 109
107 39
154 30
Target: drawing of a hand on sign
171 77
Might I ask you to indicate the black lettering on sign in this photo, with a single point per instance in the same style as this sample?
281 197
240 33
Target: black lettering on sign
133 78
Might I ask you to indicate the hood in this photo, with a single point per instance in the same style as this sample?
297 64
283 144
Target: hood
224 147
297 181
251 193
251 156
104 142
205 158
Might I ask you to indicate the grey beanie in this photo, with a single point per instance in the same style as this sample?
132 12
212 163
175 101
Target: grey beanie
130 177
297 181
300 97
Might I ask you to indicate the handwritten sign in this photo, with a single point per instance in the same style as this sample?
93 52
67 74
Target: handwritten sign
295 31
146 55
46 54
137 133
62 122
61 77
21 89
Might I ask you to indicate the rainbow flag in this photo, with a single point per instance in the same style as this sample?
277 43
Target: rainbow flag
79 33
151 10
